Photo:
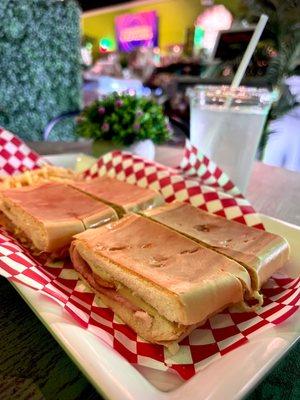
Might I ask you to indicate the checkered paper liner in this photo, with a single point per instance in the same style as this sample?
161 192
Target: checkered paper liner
209 189
221 333
15 156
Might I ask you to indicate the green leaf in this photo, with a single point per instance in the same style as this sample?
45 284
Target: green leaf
123 120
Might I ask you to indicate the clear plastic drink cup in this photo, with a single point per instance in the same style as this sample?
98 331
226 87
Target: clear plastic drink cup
227 124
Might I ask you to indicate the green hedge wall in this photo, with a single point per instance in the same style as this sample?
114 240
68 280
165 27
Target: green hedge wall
40 72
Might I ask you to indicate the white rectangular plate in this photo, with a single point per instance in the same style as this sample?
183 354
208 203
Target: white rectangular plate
116 379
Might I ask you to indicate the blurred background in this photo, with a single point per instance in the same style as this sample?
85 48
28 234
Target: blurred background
59 57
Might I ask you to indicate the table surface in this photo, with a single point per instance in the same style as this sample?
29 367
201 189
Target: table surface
33 366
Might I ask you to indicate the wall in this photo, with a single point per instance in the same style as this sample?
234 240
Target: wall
175 16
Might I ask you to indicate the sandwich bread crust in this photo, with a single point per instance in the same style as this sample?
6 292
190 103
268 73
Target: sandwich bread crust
260 252
51 213
182 280
122 196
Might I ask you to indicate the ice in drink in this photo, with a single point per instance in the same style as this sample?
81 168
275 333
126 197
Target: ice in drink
227 126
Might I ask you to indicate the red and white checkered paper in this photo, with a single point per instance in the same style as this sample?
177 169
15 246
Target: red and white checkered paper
197 181
15 156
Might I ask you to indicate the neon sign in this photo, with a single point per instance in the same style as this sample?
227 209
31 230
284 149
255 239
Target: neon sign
136 30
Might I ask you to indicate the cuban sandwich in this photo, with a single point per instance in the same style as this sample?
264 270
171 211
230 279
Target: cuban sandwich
159 282
122 196
46 216
260 252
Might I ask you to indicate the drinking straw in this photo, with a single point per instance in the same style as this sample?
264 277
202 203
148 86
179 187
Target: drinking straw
249 51
247 56
240 74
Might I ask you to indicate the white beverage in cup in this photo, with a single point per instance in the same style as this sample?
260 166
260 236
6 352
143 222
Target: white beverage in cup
227 124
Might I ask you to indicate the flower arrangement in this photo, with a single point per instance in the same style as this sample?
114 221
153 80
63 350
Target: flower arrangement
124 119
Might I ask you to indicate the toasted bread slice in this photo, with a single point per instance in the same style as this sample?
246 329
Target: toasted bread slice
122 196
260 252
50 214
182 280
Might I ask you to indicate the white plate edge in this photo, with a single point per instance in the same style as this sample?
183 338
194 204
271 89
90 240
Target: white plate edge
152 392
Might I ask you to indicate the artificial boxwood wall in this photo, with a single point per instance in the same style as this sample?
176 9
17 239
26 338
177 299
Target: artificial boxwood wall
40 75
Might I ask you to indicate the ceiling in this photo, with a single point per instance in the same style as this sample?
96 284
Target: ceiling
87 5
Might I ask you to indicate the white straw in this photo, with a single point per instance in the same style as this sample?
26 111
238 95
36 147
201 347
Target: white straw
249 52
213 137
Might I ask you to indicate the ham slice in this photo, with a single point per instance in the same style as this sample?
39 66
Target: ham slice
100 285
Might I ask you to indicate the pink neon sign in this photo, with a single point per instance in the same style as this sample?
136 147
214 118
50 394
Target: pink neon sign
136 30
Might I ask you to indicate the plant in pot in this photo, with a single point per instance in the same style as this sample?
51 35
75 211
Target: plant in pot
126 122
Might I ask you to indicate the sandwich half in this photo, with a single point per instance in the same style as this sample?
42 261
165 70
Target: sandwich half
122 196
45 217
157 281
260 252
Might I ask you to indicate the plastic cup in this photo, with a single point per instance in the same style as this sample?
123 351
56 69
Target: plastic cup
227 124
